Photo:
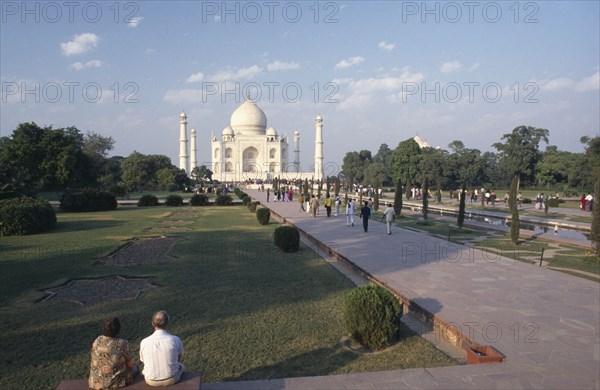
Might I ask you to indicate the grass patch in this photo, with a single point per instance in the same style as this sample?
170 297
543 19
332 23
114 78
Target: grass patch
528 251
243 309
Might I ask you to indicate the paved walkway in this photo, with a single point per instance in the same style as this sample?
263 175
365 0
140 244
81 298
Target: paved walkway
545 322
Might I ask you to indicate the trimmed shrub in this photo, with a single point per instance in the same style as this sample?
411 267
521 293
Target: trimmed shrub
174 200
246 200
526 201
263 215
241 194
148 200
88 200
199 200
287 238
553 202
223 200
20 216
252 206
372 316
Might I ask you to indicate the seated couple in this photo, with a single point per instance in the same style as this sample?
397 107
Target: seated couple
113 366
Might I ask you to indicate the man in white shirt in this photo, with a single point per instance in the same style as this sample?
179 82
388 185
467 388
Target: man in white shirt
161 354
388 214
350 213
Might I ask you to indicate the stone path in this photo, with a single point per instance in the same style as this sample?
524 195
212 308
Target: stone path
545 322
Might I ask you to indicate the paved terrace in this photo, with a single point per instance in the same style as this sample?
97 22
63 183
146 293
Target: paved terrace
545 322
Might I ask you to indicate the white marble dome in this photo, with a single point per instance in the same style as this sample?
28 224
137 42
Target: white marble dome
249 119
271 132
228 131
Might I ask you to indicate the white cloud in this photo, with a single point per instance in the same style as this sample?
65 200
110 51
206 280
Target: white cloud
386 46
134 22
557 84
278 65
195 77
80 44
349 62
364 92
449 67
242 73
90 64
179 96
591 83
474 66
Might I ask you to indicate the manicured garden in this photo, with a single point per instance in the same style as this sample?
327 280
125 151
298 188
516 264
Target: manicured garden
243 308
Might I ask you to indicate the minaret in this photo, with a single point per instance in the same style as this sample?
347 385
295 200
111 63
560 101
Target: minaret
183 154
319 148
297 151
193 151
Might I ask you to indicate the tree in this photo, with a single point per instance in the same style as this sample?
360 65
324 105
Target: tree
595 233
139 171
202 173
384 156
519 152
375 175
514 211
351 167
36 158
425 197
461 207
405 161
398 198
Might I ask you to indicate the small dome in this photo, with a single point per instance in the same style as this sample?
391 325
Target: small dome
296 132
193 131
228 131
271 132
319 117
182 113
249 119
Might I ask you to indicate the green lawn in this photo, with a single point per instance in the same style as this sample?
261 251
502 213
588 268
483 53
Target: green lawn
243 309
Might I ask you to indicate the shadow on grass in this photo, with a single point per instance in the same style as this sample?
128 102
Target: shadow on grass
321 361
73 226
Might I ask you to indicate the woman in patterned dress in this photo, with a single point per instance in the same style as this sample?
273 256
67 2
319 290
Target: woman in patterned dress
112 364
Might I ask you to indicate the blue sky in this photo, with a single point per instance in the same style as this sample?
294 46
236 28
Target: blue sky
378 72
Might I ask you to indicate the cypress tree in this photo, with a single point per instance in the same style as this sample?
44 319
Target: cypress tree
398 198
461 207
514 211
425 198
408 185
595 233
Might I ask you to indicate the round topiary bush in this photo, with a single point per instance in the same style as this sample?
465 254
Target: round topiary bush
372 316
287 238
199 200
88 200
241 194
20 216
252 206
174 200
263 215
148 200
246 200
223 200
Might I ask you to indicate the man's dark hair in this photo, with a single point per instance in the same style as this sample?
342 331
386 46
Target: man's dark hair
160 319
112 327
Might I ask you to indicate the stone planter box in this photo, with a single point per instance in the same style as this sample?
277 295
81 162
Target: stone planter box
477 354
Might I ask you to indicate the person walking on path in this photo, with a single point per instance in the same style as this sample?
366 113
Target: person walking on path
301 201
268 193
328 203
337 205
350 213
388 215
314 204
365 213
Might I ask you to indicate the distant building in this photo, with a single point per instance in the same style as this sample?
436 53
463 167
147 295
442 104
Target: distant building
248 149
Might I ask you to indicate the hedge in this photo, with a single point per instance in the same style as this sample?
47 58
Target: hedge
20 216
287 238
174 200
147 200
263 215
88 200
199 200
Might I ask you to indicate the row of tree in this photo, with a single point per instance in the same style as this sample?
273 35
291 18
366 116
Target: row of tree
518 155
38 158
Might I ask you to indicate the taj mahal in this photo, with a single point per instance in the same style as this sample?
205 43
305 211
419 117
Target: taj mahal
249 150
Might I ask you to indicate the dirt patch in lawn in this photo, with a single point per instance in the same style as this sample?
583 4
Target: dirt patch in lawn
142 251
